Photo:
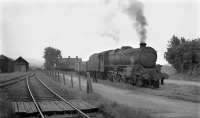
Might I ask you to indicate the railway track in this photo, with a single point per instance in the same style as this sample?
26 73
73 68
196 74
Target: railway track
36 100
13 80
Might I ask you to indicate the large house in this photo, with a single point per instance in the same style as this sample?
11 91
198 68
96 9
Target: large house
68 63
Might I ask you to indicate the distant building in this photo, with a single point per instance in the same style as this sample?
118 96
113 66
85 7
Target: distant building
6 64
21 65
68 63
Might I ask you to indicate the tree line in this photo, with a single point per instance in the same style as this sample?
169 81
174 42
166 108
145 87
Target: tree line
184 55
51 56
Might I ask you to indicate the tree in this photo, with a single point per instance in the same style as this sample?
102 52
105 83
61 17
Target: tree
51 56
180 53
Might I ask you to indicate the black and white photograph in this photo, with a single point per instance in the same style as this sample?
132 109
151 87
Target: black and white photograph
99 59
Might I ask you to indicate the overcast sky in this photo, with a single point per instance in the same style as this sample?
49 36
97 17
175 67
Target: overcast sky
83 27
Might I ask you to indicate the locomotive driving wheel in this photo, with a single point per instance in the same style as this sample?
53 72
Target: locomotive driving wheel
156 83
139 82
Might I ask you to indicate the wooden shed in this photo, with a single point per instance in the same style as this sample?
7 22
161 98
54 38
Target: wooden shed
21 65
6 64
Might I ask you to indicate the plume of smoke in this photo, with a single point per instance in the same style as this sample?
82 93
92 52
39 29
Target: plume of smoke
135 12
134 9
113 33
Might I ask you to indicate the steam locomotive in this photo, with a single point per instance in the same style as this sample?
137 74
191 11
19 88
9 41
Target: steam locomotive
136 66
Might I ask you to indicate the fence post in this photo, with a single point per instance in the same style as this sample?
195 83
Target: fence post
58 76
55 75
51 74
79 81
89 84
72 80
63 78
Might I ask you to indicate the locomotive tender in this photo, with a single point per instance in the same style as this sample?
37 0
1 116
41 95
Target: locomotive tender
136 66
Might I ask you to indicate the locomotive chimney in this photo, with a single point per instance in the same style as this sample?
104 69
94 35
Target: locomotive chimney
142 45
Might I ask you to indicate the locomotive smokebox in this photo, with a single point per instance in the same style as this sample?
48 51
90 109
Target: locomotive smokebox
142 45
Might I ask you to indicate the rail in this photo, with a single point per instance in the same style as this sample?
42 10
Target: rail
79 111
36 104
13 80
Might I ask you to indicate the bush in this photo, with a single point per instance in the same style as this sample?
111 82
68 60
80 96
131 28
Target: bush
181 54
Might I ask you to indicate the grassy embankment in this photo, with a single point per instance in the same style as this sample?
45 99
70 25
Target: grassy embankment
179 76
110 109
6 110
187 77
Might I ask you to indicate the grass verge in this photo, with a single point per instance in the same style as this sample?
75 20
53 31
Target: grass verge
187 77
6 110
110 109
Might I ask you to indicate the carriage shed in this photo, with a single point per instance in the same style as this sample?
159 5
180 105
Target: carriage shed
6 64
21 65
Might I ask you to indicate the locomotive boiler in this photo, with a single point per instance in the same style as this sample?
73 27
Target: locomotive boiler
136 66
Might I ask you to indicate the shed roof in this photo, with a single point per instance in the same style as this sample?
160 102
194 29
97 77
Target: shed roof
21 60
3 57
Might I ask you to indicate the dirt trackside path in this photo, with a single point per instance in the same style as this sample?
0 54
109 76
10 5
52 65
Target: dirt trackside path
164 107
182 82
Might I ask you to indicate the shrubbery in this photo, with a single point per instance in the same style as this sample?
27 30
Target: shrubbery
183 54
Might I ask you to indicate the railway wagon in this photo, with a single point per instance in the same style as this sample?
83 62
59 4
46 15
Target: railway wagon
136 66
